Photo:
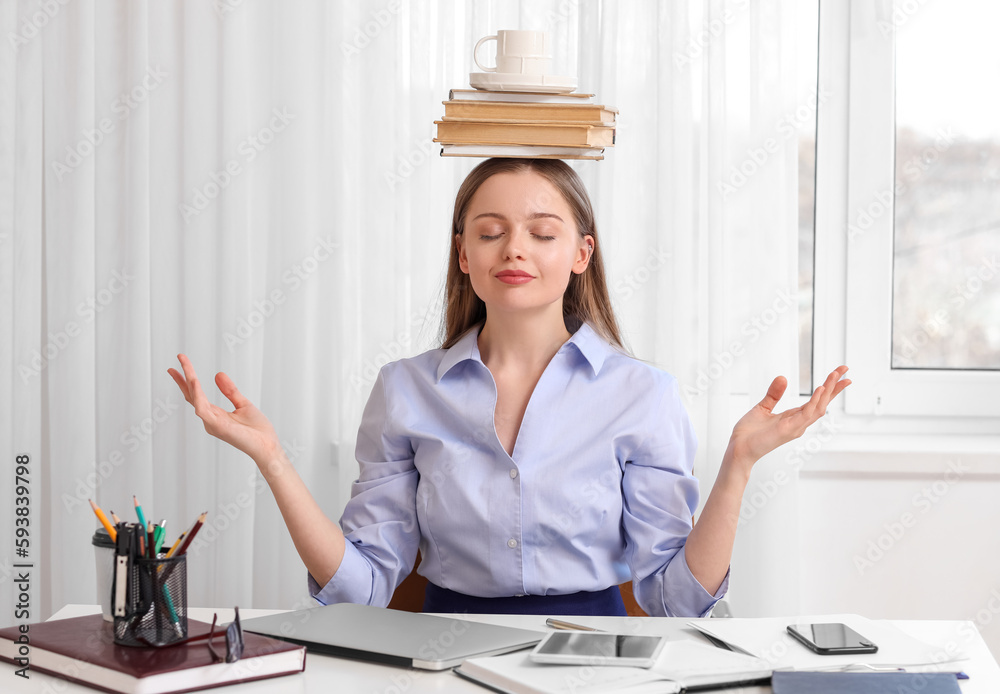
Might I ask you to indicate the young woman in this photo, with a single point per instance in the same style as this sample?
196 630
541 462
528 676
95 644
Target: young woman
532 461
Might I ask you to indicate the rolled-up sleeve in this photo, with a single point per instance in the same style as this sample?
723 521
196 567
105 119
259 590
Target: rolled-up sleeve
660 497
380 520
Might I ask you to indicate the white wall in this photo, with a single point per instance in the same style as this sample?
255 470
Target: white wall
907 535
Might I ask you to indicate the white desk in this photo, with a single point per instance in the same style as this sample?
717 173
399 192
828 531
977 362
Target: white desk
326 674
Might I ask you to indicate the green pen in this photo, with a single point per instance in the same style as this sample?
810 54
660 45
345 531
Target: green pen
175 620
160 532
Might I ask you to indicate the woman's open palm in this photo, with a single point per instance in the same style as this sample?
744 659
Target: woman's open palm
760 430
245 427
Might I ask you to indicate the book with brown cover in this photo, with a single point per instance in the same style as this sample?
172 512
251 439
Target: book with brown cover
525 133
503 111
522 151
82 650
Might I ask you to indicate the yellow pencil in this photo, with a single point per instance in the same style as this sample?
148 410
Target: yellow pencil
194 531
104 521
173 548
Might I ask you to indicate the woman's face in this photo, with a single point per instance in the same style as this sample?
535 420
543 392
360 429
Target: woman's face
520 243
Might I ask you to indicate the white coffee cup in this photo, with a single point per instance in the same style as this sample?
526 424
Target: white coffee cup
104 553
518 52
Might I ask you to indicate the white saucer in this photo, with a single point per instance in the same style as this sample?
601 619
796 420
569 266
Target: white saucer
516 82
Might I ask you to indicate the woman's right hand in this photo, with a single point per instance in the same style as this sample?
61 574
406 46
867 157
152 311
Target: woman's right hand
246 427
318 540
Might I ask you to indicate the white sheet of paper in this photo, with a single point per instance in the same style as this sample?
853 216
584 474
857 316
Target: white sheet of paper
767 639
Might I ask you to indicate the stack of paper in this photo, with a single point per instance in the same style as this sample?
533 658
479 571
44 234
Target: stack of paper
767 639
682 664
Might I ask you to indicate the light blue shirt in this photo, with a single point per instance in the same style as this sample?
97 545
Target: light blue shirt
598 490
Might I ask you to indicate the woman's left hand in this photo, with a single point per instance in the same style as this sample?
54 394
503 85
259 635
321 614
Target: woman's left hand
760 430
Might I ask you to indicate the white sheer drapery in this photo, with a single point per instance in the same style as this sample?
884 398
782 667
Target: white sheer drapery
253 183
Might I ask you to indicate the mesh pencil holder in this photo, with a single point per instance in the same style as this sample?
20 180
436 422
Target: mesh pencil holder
155 611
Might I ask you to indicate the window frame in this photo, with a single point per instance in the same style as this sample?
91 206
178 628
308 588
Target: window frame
879 389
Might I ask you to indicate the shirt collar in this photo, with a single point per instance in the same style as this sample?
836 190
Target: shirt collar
594 348
465 349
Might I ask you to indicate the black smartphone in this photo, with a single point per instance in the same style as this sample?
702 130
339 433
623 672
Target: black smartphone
831 639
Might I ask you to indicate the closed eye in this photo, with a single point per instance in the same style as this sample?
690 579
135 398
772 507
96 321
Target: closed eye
544 231
494 237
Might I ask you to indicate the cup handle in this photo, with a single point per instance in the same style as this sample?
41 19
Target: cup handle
475 54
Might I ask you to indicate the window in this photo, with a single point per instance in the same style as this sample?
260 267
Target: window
923 217
946 289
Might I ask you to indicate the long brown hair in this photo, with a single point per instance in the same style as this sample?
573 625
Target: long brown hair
586 298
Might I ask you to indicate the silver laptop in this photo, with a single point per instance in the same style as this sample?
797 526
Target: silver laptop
391 636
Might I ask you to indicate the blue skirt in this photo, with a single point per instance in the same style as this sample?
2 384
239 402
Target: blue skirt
605 602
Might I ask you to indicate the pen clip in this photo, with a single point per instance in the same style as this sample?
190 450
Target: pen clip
124 550
121 582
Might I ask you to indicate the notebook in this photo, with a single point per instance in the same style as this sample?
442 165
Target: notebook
391 636
82 650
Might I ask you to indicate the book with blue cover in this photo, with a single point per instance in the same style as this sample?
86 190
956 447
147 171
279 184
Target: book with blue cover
783 682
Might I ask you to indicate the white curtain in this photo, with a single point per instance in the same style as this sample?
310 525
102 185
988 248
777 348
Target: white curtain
254 184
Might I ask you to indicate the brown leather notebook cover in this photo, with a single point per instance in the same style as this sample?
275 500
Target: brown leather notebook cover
82 649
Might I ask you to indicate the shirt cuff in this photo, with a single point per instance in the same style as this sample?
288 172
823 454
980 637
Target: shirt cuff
687 597
352 582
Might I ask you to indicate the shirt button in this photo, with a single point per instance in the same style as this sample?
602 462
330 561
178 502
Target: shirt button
512 543
513 473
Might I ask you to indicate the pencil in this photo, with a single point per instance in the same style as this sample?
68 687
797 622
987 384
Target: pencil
176 546
194 531
104 521
567 626
173 547
115 518
150 542
138 512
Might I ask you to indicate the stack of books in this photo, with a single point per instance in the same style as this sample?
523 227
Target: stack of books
82 650
480 123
